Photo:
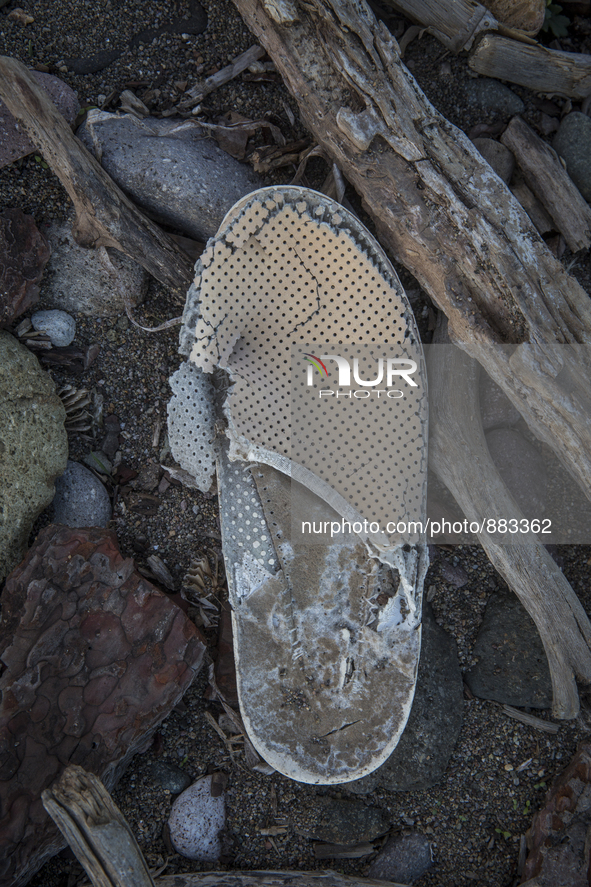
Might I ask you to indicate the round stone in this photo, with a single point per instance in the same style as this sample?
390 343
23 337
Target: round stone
59 326
80 499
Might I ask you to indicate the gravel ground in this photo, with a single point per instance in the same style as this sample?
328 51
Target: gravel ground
478 812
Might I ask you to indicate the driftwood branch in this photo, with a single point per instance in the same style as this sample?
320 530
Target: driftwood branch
537 67
240 64
99 835
438 207
550 182
459 455
104 215
96 830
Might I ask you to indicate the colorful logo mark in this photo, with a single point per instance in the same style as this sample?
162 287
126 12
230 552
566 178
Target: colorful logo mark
315 361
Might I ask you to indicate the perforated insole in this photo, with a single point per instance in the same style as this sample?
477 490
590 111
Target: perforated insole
287 271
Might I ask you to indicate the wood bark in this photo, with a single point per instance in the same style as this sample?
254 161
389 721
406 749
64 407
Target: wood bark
459 455
537 67
104 215
550 182
96 830
439 209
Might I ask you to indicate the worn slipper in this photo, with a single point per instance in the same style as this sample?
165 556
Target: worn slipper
321 475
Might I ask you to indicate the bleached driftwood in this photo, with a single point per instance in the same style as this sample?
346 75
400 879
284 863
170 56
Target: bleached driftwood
96 830
538 67
459 455
99 835
104 214
550 182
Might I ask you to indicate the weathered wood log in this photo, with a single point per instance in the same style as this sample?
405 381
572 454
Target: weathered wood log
96 830
537 67
104 215
550 182
455 23
459 455
99 835
439 208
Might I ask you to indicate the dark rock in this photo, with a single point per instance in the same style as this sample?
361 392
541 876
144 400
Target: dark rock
522 468
170 777
94 659
90 281
93 63
33 446
512 666
420 758
80 499
344 822
24 253
498 156
573 143
495 407
14 143
558 840
404 859
172 169
494 96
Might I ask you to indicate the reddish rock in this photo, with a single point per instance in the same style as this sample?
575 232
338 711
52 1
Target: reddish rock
558 842
14 142
24 253
94 658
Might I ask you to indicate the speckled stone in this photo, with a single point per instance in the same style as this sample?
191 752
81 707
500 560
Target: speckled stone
33 446
80 499
196 820
59 326
174 172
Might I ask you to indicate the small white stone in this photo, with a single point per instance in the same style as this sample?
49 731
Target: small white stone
59 326
196 820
